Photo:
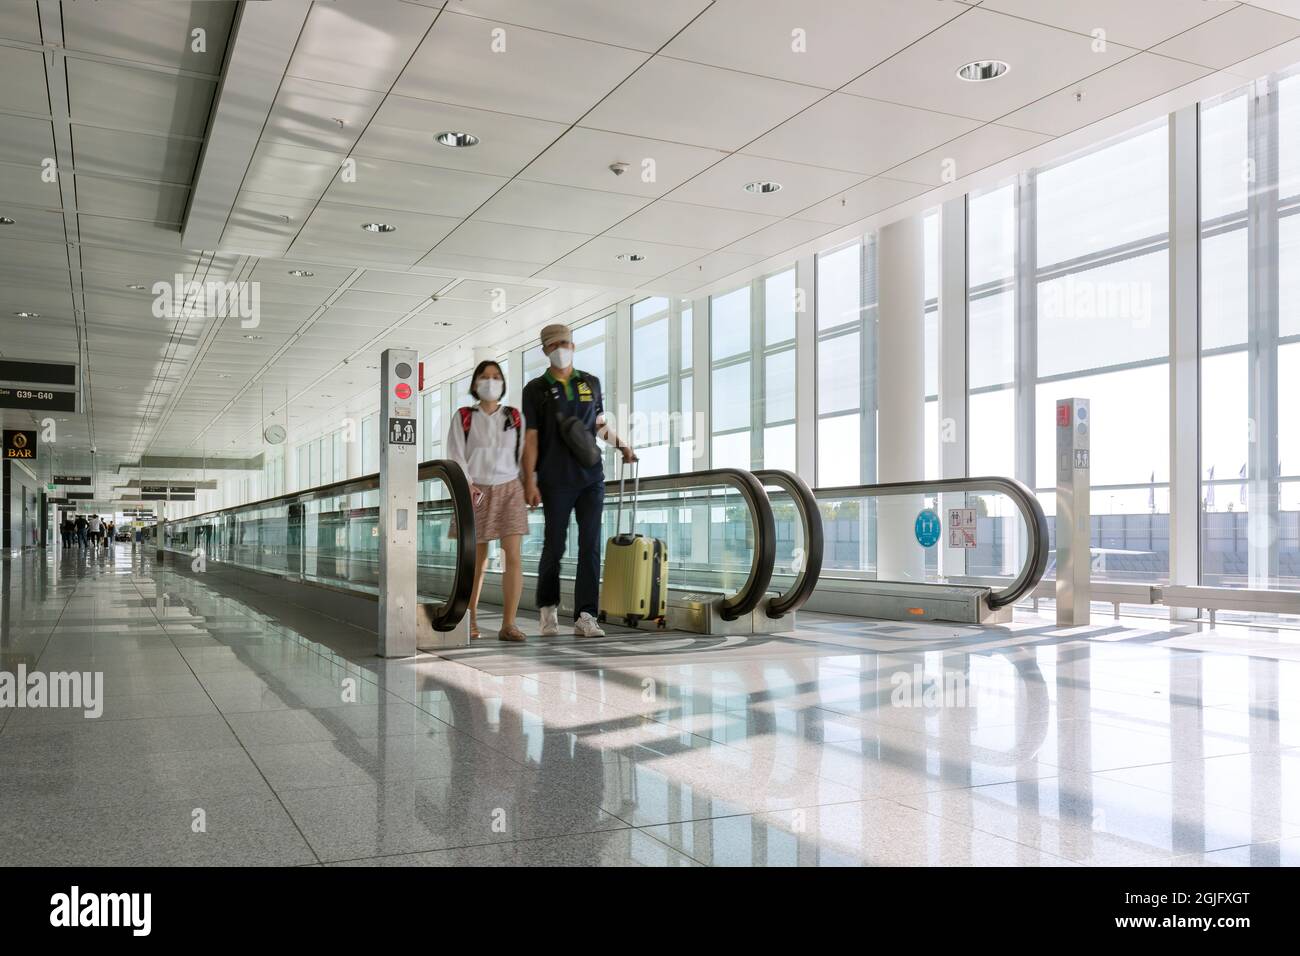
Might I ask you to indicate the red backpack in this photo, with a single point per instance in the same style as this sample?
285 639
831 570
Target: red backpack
513 420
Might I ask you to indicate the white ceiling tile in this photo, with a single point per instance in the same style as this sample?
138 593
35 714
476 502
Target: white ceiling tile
19 21
1042 60
1240 33
637 26
724 185
582 157
362 45
129 199
36 225
602 254
405 128
162 36
1125 84
353 253
861 201
683 224
779 237
1290 8
401 283
542 205
543 75
342 222
517 243
140 100
25 142
1140 24
511 294
711 268
22 82
307 113
489 265
969 154
134 155
129 233
380 301
702 105
278 169
859 134
424 189
597 277
841 39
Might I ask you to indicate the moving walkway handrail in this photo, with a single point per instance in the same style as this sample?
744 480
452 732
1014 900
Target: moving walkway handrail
810 570
444 616
1035 564
751 595
751 489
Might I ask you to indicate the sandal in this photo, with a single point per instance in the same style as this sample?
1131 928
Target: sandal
511 633
474 634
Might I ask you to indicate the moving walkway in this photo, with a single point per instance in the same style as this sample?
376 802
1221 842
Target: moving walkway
746 550
719 525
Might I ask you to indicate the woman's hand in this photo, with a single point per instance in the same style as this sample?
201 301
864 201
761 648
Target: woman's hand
532 497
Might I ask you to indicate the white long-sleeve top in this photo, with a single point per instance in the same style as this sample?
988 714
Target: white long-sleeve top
489 457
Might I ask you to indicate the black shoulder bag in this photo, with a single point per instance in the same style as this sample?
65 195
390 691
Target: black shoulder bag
575 434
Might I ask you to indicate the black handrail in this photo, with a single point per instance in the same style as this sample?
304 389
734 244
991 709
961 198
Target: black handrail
444 616
448 614
1035 521
805 581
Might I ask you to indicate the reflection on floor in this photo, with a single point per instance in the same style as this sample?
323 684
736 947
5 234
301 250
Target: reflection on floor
232 737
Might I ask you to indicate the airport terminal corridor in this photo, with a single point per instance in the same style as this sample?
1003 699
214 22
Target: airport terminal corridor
841 742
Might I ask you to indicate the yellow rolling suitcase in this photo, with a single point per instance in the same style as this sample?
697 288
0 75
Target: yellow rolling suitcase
635 585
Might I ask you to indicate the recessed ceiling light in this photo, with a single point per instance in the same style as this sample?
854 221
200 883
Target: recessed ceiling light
253 338
762 186
378 227
6 221
136 287
981 70
28 315
223 375
631 257
445 324
301 273
457 139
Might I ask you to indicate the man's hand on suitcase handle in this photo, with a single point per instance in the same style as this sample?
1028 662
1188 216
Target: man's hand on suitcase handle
629 455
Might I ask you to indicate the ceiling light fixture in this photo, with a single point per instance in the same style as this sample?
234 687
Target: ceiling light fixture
253 338
6 221
378 227
28 315
136 287
762 186
981 70
301 273
631 257
457 139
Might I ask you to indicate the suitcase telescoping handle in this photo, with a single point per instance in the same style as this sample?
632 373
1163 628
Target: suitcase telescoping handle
636 490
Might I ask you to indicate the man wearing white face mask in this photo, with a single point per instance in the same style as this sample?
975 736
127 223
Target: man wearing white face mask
487 441
562 472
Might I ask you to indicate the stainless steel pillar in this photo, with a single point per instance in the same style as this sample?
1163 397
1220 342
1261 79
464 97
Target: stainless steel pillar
1073 511
399 461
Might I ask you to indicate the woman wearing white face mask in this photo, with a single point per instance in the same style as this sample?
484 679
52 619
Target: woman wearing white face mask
487 440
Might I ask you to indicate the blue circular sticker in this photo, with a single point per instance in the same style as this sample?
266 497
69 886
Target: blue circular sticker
928 528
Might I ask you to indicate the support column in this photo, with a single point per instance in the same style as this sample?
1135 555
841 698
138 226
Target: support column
703 384
805 379
900 379
1184 352
953 388
1262 336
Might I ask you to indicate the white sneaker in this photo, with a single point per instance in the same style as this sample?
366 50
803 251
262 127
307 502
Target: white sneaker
586 626
550 621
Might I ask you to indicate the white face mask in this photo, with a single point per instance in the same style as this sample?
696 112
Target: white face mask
489 389
562 358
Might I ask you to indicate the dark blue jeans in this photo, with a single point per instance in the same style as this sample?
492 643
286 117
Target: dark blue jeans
558 502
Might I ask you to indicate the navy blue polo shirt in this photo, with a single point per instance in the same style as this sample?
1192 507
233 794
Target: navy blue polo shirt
580 397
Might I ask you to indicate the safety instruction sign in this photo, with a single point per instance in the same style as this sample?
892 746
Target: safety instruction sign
961 527
401 431
928 528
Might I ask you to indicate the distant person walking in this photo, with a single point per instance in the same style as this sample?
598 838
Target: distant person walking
82 526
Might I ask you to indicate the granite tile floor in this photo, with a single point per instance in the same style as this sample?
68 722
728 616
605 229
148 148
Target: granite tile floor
233 736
